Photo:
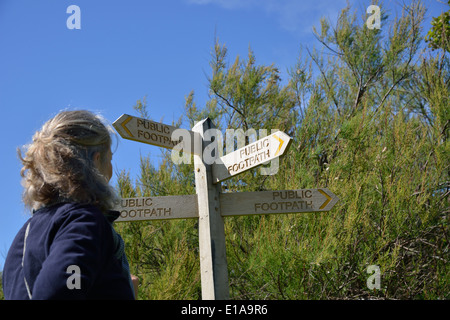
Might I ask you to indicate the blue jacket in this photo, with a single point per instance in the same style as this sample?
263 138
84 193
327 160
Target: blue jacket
66 241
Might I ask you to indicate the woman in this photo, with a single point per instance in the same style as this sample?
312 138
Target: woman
68 249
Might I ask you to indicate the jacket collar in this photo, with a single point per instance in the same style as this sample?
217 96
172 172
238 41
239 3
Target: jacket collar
112 215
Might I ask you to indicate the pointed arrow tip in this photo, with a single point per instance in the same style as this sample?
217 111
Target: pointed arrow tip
327 201
123 125
281 144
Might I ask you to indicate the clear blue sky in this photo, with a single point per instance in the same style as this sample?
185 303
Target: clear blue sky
124 51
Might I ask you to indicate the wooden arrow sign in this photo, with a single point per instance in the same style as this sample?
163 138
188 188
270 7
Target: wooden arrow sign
157 134
281 201
250 156
158 208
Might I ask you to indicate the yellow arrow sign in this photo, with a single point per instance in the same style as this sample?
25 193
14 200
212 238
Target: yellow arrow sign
276 202
250 156
156 133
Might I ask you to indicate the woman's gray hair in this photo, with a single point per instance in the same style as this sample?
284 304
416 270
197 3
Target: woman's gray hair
58 165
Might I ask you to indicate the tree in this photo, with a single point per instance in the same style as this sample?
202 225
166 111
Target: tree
250 95
438 37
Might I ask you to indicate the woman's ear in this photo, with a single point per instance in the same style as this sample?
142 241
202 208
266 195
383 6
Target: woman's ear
96 159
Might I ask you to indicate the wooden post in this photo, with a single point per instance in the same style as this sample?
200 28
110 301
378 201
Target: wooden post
213 259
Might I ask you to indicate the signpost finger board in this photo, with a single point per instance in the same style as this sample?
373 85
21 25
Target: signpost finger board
158 208
250 156
157 134
280 201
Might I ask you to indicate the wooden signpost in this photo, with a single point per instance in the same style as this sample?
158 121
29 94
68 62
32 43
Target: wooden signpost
209 205
211 234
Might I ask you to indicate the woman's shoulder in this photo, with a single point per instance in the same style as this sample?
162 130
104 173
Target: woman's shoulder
71 215
69 209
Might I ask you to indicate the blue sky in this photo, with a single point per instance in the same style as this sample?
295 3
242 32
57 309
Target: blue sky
126 50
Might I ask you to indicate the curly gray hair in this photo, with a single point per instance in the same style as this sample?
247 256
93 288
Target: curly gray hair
58 165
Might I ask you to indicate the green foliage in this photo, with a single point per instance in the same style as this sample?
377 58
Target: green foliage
438 37
249 95
369 118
